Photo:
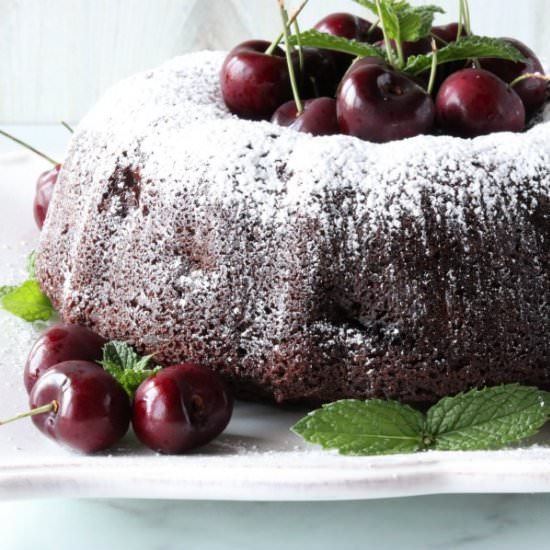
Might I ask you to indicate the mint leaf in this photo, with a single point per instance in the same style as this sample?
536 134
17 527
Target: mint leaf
471 47
126 366
317 39
28 302
486 419
6 289
371 427
390 19
31 265
416 23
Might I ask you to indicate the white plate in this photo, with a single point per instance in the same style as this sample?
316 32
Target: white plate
257 458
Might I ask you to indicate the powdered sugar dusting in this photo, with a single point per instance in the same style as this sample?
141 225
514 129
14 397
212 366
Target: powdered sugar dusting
275 256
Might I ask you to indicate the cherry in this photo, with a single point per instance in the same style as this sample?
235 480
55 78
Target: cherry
254 83
44 185
351 27
532 91
318 117
379 104
319 75
44 191
364 61
88 409
418 47
474 102
181 408
446 34
58 344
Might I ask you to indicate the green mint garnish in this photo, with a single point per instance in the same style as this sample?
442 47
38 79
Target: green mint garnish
479 419
470 47
27 301
486 419
126 366
317 39
364 427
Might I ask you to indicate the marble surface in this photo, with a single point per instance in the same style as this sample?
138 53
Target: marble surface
438 522
431 523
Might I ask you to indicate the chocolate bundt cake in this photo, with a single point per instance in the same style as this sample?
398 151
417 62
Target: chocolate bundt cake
302 268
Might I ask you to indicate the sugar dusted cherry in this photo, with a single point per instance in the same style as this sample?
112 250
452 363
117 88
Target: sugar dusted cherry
254 83
318 117
181 408
379 104
475 102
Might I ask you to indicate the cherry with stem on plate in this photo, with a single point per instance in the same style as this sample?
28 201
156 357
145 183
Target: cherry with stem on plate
45 184
181 408
79 405
57 344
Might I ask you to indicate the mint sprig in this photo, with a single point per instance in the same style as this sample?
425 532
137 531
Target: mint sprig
470 47
27 300
126 366
479 419
358 427
316 39
488 419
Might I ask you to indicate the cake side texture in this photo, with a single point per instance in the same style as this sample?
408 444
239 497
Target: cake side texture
301 268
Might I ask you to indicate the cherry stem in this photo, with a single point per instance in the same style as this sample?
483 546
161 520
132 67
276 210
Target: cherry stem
291 72
300 47
50 407
292 19
387 42
526 76
67 126
433 71
29 147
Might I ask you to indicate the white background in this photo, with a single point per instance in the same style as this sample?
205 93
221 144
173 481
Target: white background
58 56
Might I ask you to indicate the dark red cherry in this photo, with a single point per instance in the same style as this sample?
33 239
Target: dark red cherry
474 102
181 408
318 117
44 191
319 75
253 83
351 27
364 61
58 344
418 47
531 90
379 104
446 34
92 410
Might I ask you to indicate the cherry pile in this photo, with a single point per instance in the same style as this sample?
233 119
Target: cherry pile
76 402
373 100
